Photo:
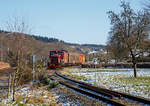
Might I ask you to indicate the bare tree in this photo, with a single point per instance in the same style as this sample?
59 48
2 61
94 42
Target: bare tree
17 24
18 27
116 53
128 31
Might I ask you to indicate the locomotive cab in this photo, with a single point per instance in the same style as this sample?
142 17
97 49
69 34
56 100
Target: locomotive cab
55 62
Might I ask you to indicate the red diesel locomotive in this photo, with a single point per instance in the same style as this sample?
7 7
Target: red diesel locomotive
62 57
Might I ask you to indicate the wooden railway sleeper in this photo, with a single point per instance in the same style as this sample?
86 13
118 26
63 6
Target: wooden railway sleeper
97 91
110 101
115 93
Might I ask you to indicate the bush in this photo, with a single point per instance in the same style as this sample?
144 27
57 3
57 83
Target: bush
25 77
44 79
53 84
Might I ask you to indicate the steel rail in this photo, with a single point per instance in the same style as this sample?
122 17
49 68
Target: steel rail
86 92
100 89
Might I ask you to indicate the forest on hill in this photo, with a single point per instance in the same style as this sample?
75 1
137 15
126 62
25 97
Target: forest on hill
38 45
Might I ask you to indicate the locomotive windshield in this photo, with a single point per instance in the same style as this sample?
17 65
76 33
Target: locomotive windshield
52 53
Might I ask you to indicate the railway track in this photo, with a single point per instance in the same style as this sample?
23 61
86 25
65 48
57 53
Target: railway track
102 94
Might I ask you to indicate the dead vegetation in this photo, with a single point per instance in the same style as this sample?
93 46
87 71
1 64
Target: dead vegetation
4 65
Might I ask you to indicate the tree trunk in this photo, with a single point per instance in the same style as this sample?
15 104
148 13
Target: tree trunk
134 62
135 73
14 86
9 86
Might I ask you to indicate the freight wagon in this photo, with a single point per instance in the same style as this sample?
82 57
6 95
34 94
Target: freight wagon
62 57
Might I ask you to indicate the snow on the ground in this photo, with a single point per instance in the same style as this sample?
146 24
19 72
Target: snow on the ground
59 95
120 80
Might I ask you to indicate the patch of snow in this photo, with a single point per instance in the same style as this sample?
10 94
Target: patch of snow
108 80
23 102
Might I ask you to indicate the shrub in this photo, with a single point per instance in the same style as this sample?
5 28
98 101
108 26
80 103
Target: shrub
53 84
44 79
25 76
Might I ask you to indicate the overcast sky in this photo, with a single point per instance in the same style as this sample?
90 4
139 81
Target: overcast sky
75 21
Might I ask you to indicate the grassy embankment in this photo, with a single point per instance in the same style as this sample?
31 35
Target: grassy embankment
69 71
121 82
138 86
78 70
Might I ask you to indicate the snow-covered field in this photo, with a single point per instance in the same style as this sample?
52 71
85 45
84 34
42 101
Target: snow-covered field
120 80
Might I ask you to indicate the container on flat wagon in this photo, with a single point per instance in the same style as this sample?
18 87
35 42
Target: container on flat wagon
82 58
64 56
74 57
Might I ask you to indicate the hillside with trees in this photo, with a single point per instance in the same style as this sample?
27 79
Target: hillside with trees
38 45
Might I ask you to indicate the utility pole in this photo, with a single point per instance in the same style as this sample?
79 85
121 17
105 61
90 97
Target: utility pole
33 66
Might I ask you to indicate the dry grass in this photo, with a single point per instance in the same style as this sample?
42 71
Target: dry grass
4 65
25 76
41 99
1 104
